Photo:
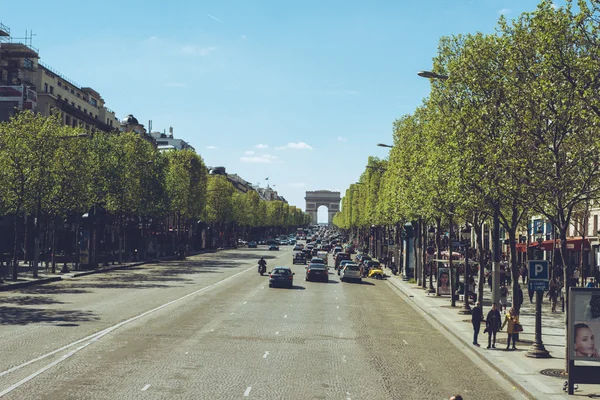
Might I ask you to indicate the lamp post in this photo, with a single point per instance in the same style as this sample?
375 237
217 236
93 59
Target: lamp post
373 240
537 349
431 235
385 145
466 239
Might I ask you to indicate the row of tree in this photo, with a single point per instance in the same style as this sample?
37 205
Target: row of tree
510 130
50 170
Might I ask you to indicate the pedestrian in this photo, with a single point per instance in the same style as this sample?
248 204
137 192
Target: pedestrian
511 319
492 325
520 296
523 273
530 292
476 318
553 294
591 283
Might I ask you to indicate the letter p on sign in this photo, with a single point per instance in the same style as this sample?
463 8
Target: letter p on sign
538 270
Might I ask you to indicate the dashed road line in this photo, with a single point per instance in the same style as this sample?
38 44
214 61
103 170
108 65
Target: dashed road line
405 342
145 387
266 354
247 392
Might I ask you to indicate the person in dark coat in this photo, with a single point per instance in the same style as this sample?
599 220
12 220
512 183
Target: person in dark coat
492 325
476 318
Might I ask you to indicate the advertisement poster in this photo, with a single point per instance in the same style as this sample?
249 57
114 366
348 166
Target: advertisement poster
584 324
443 281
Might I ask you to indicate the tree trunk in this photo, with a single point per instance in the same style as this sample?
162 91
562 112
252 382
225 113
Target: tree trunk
15 272
514 269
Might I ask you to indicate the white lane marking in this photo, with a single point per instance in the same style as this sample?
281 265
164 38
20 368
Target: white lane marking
145 387
339 319
187 352
93 337
285 316
266 354
405 342
348 396
245 302
247 392
231 313
338 307
343 358
341 335
277 333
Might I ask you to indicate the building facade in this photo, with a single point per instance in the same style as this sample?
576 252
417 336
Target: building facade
166 141
18 67
78 106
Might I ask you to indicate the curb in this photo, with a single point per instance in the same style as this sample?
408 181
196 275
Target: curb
18 285
483 358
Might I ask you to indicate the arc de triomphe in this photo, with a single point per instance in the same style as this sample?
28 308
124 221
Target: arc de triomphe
319 198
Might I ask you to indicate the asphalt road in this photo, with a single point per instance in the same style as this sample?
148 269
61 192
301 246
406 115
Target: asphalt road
211 328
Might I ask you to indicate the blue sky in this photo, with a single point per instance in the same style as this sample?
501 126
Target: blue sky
297 91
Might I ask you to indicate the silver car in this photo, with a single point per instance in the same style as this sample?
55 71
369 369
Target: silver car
351 271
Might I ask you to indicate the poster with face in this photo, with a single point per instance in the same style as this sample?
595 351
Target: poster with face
443 281
584 324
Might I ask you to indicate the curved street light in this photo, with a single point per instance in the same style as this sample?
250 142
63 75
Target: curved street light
431 75
385 145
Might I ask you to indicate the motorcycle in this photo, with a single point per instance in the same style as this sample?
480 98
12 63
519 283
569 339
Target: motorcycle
262 268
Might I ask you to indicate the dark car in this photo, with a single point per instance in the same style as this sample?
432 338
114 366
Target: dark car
299 258
252 245
317 272
281 276
273 247
339 257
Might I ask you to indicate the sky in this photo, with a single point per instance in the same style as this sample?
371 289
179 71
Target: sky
296 91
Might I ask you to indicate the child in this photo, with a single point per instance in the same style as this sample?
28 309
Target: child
585 342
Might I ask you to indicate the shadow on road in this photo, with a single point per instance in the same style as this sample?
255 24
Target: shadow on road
29 300
118 285
25 316
52 289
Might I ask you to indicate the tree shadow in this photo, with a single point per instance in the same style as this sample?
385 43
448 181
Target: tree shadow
29 300
26 316
52 289
118 285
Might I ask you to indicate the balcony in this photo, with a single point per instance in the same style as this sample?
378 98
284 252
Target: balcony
89 119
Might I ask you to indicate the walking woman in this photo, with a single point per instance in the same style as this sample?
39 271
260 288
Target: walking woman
512 320
492 325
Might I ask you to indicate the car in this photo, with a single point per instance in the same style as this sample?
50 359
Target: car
360 258
339 257
342 264
273 247
281 276
283 242
317 272
299 258
292 241
318 260
297 247
351 271
337 249
323 255
252 244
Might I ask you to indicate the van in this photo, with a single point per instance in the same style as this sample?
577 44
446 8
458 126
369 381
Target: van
323 255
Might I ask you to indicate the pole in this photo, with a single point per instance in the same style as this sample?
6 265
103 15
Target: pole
452 273
496 256
466 309
537 349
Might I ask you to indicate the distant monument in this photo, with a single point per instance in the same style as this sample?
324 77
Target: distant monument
319 198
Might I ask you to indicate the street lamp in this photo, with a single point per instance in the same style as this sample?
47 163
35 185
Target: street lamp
385 145
431 75
431 235
537 349
466 239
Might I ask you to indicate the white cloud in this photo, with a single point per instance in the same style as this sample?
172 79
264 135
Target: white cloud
299 145
342 139
297 184
249 152
280 148
212 147
262 159
504 11
262 146
193 50
215 18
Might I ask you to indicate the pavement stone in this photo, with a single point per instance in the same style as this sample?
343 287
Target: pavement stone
522 371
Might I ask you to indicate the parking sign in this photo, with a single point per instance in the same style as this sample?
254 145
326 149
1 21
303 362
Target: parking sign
539 270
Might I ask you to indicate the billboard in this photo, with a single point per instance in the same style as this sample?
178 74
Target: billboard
443 281
584 324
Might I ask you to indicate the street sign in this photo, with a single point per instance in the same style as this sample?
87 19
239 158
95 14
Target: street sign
539 285
539 270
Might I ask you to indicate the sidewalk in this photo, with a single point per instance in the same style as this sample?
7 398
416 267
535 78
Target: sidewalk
537 378
45 276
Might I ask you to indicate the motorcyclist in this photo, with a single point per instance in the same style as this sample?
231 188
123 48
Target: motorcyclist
262 264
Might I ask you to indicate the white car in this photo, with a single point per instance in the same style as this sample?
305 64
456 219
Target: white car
351 271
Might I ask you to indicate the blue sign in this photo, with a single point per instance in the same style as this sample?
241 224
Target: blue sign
539 270
539 285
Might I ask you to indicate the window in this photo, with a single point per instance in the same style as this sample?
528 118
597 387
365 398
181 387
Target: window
67 120
595 224
79 108
59 84
59 97
73 103
45 88
78 95
51 89
72 91
85 110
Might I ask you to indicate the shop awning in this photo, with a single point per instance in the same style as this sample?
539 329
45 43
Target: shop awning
547 245
573 244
